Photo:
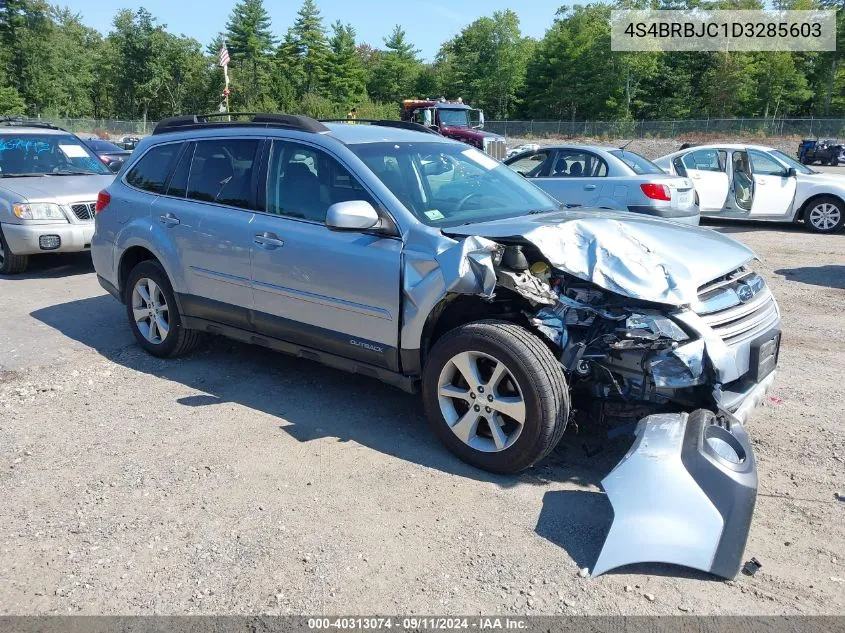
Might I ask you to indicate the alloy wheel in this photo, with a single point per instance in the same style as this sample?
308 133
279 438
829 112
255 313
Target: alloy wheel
151 312
481 401
825 216
2 253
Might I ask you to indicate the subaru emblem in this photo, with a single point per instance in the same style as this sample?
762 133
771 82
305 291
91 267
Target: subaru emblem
745 292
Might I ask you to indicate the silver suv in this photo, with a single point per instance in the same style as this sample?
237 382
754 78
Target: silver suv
48 186
389 251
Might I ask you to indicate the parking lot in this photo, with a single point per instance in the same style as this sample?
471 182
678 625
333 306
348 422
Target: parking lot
241 480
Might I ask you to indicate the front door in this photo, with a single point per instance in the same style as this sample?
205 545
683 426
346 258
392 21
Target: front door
708 171
774 190
334 291
207 210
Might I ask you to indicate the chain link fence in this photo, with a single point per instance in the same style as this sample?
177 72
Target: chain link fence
104 128
809 128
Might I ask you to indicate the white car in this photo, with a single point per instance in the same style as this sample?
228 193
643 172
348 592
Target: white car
760 183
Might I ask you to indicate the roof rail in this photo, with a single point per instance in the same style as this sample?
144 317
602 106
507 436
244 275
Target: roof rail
404 125
15 121
260 119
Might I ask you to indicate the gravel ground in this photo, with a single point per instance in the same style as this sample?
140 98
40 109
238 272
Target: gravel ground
238 480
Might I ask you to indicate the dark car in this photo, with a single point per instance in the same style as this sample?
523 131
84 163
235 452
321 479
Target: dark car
111 155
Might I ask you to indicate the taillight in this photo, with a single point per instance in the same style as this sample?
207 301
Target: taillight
105 159
656 192
103 199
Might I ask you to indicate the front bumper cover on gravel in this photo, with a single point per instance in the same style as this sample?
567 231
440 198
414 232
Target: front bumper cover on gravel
683 494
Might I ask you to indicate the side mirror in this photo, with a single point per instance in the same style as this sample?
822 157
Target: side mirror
790 172
353 215
115 165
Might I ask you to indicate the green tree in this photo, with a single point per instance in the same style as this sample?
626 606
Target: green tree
346 77
304 53
250 42
395 69
486 63
11 102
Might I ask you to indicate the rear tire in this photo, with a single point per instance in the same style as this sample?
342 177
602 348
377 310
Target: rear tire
153 314
502 419
825 214
11 264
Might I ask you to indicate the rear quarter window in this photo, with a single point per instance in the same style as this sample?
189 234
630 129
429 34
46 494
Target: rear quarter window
151 171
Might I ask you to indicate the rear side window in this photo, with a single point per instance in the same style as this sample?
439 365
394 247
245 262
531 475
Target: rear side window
222 172
638 164
571 163
704 160
150 173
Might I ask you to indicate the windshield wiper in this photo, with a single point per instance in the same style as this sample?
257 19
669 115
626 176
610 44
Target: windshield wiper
25 175
67 172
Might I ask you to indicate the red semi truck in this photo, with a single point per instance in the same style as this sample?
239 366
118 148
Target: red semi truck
456 120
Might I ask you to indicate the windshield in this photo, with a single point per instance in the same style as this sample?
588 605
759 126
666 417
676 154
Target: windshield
639 164
39 154
453 118
445 184
791 162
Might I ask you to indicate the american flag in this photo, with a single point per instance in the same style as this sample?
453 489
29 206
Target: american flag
223 56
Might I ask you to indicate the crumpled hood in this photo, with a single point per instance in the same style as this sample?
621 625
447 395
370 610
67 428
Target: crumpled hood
59 189
635 256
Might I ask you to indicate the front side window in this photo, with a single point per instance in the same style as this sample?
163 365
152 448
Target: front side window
222 170
38 154
151 171
764 165
447 184
578 164
303 182
531 165
791 162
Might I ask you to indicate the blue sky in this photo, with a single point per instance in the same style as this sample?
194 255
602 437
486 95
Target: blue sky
428 24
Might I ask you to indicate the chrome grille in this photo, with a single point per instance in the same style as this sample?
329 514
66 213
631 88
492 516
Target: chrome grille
83 210
495 147
724 304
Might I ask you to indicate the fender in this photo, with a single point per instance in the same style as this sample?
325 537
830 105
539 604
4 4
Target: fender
149 235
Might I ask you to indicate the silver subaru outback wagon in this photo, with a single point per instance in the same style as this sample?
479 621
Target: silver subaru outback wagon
390 251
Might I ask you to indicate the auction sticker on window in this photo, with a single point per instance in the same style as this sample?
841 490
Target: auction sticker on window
727 31
73 151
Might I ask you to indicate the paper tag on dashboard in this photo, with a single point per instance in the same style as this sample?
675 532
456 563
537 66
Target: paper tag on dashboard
434 214
74 151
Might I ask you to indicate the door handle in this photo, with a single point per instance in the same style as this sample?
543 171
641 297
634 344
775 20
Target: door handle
168 219
589 187
270 240
696 176
762 181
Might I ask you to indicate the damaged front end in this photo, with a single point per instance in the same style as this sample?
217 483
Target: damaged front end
685 492
621 354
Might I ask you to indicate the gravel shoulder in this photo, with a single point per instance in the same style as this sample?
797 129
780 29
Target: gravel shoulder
238 480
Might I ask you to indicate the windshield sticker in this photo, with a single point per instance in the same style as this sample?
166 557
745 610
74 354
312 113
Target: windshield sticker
74 151
434 214
481 158
26 145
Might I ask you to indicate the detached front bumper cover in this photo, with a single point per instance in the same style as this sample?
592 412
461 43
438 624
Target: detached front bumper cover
683 494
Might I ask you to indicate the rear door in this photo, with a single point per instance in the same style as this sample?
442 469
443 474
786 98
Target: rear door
576 177
708 170
207 211
334 291
774 191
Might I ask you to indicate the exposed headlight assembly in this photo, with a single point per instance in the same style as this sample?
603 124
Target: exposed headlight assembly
653 327
39 211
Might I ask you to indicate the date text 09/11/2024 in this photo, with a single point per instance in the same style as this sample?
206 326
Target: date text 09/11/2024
419 623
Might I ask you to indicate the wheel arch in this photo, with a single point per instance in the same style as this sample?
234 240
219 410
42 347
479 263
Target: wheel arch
455 310
805 206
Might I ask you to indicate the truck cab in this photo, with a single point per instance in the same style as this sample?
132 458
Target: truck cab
456 120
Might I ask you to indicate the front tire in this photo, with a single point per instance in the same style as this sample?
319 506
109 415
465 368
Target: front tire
825 215
495 395
11 264
153 314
